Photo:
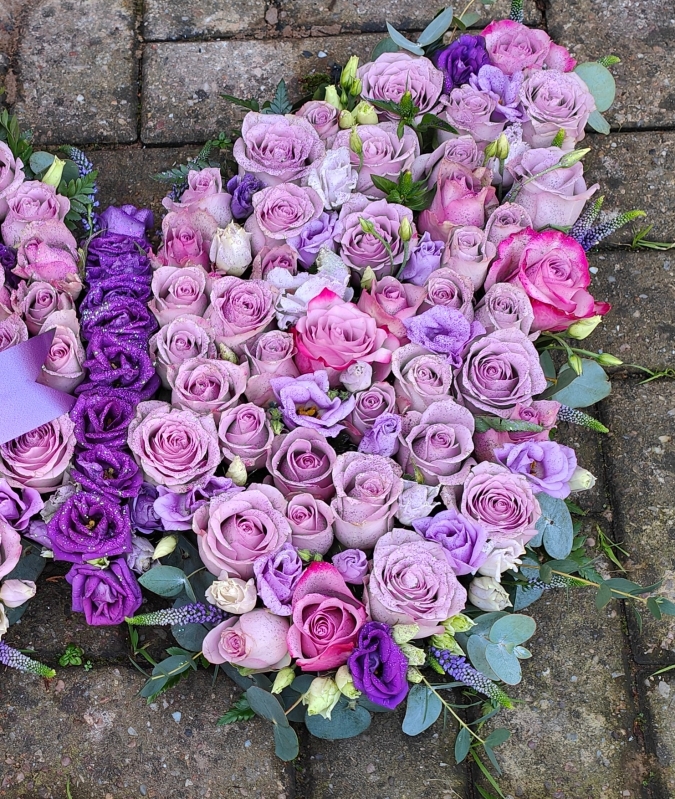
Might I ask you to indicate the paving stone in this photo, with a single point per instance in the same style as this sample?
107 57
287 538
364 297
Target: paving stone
182 82
384 763
588 446
76 74
642 34
186 19
9 12
635 170
641 471
571 732
640 286
659 696
94 730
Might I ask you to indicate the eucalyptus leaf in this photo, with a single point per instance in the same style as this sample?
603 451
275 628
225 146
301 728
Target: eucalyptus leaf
29 567
301 684
286 746
497 737
405 44
41 161
470 19
504 663
526 596
475 649
345 722
371 706
436 28
265 704
462 745
190 636
163 580
386 45
562 381
591 386
422 710
546 363
555 524
599 123
513 629
600 82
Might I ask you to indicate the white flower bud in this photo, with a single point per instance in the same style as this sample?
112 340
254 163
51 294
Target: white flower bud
582 480
165 547
232 595
345 683
504 556
357 377
15 592
4 621
283 679
322 697
231 250
237 471
487 594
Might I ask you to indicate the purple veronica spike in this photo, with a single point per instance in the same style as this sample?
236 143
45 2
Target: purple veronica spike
459 668
195 613
14 659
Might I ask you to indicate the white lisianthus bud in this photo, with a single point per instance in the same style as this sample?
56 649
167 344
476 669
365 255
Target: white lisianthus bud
345 683
367 278
584 327
365 113
504 556
459 623
414 675
231 250
414 655
582 480
357 377
346 120
15 592
608 360
232 594
402 633
236 471
332 97
322 697
416 501
283 679
165 547
487 594
4 621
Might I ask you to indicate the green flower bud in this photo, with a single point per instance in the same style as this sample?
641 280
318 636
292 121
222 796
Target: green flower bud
348 75
100 563
415 656
355 88
571 158
52 176
283 679
355 143
345 683
366 225
367 278
236 471
582 480
365 113
575 363
414 675
226 354
405 229
346 120
458 623
165 547
605 359
322 697
584 327
332 98
499 148
305 555
403 633
447 641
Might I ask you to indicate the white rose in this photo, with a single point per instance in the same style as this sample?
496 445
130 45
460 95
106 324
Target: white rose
231 250
232 595
333 178
357 377
505 555
486 593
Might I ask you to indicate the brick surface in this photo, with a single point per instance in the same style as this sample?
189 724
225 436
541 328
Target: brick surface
642 34
76 71
660 695
186 19
641 470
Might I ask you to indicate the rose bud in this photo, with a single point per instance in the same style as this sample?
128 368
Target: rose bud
322 697
14 593
486 593
231 250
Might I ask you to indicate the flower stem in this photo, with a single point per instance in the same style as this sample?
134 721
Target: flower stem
448 707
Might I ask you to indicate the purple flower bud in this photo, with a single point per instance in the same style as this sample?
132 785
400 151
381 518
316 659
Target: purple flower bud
424 258
139 559
105 596
352 565
276 577
382 438
242 190
142 515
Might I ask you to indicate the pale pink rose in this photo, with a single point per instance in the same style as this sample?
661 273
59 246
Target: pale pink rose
323 117
438 442
186 238
469 253
11 176
184 338
48 252
14 593
420 378
475 112
35 302
63 368
367 489
174 448
232 531
204 193
12 331
389 302
458 149
280 257
311 523
280 212
178 291
448 287
326 619
335 334
39 458
255 640
241 310
244 432
10 548
506 220
302 462
412 582
370 404
207 385
270 356
33 201
505 305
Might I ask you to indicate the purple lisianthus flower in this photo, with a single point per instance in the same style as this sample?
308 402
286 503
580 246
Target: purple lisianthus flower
315 235
113 290
108 470
502 88
8 262
119 365
102 418
462 539
89 526
111 254
378 666
105 596
460 60
17 507
549 466
127 220
382 438
142 514
139 560
445 331
242 190
175 511
276 576
128 320
352 565
305 402
424 258
37 531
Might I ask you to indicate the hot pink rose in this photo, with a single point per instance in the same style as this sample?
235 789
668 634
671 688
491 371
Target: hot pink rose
39 458
254 640
185 337
178 291
207 385
12 331
48 252
311 523
11 176
281 257
33 201
244 432
280 212
335 334
186 238
463 198
241 310
326 619
541 412
204 193
302 462
389 302
323 117
513 47
552 268
10 548
63 368
174 448
270 356
35 302
421 378
235 529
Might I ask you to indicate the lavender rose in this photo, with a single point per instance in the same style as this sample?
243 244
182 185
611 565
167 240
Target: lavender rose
276 576
505 306
416 501
352 565
302 462
174 448
204 193
254 640
33 201
469 253
323 117
311 523
549 466
277 149
271 356
513 47
108 471
282 256
367 488
463 540
12 331
233 531
63 366
500 370
244 432
105 596
280 213
176 511
180 340
39 458
186 238
178 291
369 405
448 287
304 402
474 111
412 583
240 310
11 176
506 220
207 385
18 508
102 419
383 437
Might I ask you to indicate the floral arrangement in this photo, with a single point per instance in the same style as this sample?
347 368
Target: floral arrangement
320 417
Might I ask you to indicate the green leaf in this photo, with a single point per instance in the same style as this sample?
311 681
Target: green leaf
626 586
546 363
251 104
265 704
504 663
667 606
603 597
383 184
497 737
470 19
280 104
485 423
402 42
422 710
513 629
525 596
345 722
301 684
475 649
431 121
41 161
191 636
563 380
600 82
555 523
386 45
436 28
493 760
599 123
240 711
653 607
286 746
163 580
462 745
591 386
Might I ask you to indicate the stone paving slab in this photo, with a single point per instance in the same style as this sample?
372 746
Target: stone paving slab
589 448
204 19
92 729
642 34
640 286
660 701
641 471
80 85
384 763
183 81
571 732
635 170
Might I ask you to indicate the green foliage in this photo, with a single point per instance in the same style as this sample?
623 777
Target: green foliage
348 719
240 711
81 193
600 82
493 645
554 527
168 673
485 423
640 240
163 580
72 656
280 103
422 709
412 194
177 175
580 391
266 705
18 141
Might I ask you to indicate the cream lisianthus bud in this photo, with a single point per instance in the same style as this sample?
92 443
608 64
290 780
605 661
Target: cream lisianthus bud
14 593
498 148
346 120
403 633
283 679
322 697
237 471
165 547
582 480
355 143
232 595
584 327
365 113
53 175
4 621
231 250
348 75
345 683
459 623
332 97
487 594
405 229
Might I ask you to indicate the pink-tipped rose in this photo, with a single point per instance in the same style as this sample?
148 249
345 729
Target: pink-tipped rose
48 252
255 640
